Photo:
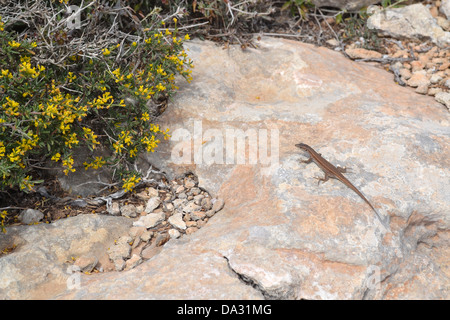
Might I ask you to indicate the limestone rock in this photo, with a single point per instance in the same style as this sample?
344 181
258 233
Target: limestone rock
86 263
443 23
133 262
444 98
38 267
114 209
150 220
191 207
206 203
176 220
197 215
351 5
413 21
218 205
83 182
119 251
146 235
445 8
29 216
280 235
418 78
150 251
152 204
136 231
129 211
360 53
161 239
174 233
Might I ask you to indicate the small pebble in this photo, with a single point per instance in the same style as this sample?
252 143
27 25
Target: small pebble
174 233
191 230
31 216
161 239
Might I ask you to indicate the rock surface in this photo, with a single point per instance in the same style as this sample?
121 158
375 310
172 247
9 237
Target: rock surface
344 4
30 216
279 234
41 261
413 21
445 8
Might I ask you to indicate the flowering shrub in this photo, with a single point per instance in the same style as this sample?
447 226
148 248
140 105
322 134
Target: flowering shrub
49 109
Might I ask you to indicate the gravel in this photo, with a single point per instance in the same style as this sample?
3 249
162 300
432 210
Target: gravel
178 210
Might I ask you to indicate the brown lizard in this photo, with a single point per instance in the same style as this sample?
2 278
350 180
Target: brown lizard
333 172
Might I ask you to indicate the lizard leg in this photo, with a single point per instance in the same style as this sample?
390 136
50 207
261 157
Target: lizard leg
309 160
324 179
341 169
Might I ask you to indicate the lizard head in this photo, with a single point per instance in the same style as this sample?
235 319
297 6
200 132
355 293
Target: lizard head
302 146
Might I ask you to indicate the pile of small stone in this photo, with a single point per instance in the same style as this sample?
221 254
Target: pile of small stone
422 65
160 215
429 73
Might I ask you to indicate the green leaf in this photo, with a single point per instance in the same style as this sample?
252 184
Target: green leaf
286 5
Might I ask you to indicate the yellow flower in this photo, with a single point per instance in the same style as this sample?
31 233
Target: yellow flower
175 20
26 184
72 140
186 37
106 52
68 163
56 157
2 149
97 163
14 44
118 146
129 183
125 137
166 134
160 87
161 71
145 116
134 44
26 69
5 73
133 152
15 154
71 77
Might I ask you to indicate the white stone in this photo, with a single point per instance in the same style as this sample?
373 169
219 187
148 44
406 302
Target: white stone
174 233
29 216
444 98
133 262
114 209
152 204
150 220
177 221
413 21
191 207
129 211
218 204
445 8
